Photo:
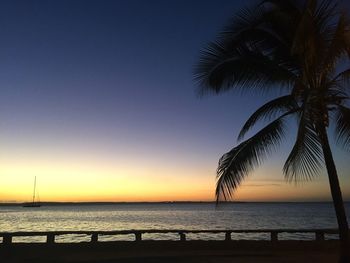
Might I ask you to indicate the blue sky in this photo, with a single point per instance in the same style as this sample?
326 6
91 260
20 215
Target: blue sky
110 84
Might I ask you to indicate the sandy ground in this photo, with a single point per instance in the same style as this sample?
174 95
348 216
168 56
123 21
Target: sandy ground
167 251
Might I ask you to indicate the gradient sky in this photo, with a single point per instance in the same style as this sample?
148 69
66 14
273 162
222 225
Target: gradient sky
98 101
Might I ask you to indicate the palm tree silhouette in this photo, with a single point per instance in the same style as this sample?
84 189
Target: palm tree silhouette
294 47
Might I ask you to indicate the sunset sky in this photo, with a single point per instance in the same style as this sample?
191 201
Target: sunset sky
99 103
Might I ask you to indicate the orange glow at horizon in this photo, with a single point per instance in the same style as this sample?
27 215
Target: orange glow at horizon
99 180
87 181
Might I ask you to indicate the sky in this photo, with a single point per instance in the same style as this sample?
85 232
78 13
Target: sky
98 102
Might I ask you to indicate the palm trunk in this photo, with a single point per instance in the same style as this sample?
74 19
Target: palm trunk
337 197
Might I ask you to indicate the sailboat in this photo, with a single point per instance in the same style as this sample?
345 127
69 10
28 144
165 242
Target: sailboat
33 203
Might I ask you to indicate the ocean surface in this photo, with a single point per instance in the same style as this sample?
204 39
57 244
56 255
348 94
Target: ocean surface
187 216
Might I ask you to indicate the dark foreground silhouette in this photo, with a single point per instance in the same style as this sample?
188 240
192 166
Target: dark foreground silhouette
173 251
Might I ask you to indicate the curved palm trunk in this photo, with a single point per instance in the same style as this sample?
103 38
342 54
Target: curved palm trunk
337 197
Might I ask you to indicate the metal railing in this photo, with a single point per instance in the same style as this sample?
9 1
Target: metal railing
319 234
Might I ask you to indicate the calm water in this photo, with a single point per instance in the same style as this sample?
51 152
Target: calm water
169 216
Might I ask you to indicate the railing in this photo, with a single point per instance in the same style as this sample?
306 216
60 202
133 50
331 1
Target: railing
319 234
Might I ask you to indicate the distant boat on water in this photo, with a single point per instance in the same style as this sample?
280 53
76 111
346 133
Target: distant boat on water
33 203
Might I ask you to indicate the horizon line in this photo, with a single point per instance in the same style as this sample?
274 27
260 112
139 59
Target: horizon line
6 203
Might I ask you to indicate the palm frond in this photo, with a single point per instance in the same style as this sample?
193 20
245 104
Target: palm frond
269 111
288 5
220 69
306 157
235 165
339 44
334 95
265 26
342 79
247 55
281 18
304 42
342 127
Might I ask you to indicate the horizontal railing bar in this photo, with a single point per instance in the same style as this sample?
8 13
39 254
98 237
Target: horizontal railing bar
164 231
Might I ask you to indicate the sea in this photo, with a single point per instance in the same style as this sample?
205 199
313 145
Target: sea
188 216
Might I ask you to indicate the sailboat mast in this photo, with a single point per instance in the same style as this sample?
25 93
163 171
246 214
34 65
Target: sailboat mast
34 189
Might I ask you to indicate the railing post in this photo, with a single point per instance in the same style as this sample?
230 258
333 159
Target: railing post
319 235
7 239
50 238
182 236
94 238
274 236
138 236
228 236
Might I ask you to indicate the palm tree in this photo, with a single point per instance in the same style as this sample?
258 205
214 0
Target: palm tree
294 48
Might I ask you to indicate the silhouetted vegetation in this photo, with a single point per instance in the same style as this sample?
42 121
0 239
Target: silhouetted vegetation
294 47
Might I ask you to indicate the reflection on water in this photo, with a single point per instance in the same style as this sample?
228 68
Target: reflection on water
29 239
105 238
169 216
72 238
